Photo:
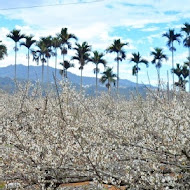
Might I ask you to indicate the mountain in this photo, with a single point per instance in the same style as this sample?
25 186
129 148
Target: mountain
7 83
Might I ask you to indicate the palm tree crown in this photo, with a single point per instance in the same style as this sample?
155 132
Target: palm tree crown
66 65
158 57
172 37
186 29
65 38
3 51
29 41
109 77
117 47
15 35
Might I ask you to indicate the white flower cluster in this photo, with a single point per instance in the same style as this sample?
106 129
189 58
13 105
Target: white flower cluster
55 138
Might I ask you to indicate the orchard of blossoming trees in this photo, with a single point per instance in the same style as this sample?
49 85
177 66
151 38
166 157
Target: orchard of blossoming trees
62 136
66 137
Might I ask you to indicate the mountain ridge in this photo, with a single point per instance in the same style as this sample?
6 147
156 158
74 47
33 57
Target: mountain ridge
35 74
7 81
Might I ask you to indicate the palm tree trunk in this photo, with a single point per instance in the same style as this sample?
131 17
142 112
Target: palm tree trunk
168 86
96 79
137 86
63 68
137 79
55 62
158 72
189 69
81 81
66 73
42 73
15 57
173 64
117 73
109 86
28 64
47 70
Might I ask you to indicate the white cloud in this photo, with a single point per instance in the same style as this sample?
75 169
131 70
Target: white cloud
150 29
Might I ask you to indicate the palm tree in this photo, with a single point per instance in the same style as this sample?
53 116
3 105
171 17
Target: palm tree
172 37
65 43
182 72
137 59
39 55
158 57
3 51
16 36
82 55
48 43
55 45
28 43
186 43
109 77
117 47
66 65
97 59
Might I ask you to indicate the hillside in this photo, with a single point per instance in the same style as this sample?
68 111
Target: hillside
7 83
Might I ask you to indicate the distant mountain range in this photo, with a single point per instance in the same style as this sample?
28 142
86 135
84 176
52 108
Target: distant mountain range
7 82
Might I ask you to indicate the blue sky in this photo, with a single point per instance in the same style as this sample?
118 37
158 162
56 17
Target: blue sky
141 23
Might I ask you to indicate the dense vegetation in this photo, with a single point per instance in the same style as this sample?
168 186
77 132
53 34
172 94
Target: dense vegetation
67 137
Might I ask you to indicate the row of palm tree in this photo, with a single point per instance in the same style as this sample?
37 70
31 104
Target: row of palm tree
172 37
48 46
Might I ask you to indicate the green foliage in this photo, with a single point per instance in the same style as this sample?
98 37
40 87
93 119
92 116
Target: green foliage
182 72
3 51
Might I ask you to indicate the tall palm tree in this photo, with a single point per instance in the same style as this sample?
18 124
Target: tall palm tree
48 51
65 43
109 77
3 51
55 45
40 55
172 37
66 65
158 57
82 55
137 59
16 36
97 59
186 43
117 47
28 43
